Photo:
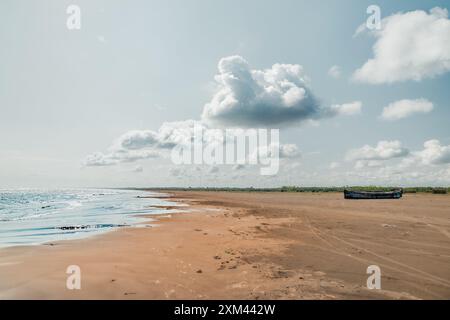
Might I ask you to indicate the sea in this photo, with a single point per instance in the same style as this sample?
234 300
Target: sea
32 217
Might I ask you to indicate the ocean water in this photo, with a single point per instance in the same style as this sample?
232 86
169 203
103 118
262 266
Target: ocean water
29 217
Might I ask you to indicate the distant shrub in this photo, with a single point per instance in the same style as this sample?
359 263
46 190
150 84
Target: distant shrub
312 189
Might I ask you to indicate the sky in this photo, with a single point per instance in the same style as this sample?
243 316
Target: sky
101 106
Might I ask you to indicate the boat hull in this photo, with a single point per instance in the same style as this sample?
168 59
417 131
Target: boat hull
395 194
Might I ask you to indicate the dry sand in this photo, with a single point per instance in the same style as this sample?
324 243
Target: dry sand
252 246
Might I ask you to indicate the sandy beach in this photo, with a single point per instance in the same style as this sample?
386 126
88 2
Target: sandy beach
241 245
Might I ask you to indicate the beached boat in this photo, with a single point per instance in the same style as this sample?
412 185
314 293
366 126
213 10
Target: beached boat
393 194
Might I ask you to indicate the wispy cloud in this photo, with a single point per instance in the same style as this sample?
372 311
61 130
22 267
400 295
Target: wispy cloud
384 150
405 108
346 109
335 72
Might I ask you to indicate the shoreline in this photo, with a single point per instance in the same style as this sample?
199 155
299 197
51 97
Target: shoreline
82 214
240 246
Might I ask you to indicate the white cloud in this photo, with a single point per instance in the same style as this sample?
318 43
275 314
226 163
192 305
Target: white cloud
334 165
176 172
289 151
361 28
430 166
99 159
405 108
410 46
347 109
362 164
136 139
238 167
335 72
168 135
213 169
285 151
101 39
434 153
137 145
385 150
247 98
138 169
291 166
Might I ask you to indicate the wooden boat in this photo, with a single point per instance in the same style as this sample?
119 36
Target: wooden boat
393 194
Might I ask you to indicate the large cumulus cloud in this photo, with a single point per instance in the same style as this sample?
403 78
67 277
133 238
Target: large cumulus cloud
271 97
410 46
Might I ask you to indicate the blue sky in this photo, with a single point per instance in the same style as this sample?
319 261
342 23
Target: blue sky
65 94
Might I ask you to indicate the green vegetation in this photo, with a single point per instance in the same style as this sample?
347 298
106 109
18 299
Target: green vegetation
440 190
434 190
366 188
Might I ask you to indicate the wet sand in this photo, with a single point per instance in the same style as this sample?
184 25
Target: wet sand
238 245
